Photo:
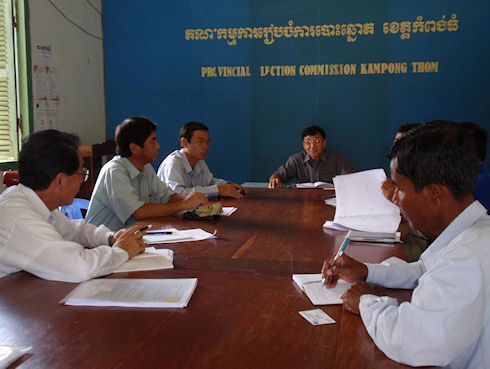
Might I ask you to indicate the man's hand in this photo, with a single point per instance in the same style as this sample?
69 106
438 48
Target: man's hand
388 189
345 267
232 190
130 240
195 199
353 295
275 181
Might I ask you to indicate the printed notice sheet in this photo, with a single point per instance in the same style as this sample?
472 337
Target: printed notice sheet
174 292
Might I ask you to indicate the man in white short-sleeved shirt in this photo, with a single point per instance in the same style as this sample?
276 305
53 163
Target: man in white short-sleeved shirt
447 321
128 189
36 237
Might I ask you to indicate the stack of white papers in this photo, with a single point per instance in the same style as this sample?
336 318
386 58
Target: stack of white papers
311 285
361 204
361 236
171 235
133 292
151 259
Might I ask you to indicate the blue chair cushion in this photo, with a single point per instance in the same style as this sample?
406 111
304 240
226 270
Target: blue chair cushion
74 211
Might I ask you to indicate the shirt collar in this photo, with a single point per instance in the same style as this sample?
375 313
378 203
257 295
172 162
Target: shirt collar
465 219
187 165
37 204
306 157
132 170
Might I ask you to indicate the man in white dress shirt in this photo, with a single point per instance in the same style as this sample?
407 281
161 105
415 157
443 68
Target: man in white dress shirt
447 321
36 237
185 170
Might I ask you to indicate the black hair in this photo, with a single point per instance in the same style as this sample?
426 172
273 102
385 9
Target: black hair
313 130
187 130
133 130
404 128
479 136
46 153
437 152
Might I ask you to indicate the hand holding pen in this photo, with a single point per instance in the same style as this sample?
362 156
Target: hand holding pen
343 266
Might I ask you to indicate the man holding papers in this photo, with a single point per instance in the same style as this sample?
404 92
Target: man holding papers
128 188
315 164
447 321
38 238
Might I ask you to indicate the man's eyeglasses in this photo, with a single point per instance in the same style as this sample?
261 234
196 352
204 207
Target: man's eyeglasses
314 142
201 142
84 173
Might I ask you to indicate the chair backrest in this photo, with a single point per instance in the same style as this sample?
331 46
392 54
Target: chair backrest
93 156
74 211
10 177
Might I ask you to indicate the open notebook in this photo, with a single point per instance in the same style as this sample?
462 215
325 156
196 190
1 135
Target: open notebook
311 285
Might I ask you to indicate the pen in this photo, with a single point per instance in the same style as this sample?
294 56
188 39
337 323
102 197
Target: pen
323 268
339 253
159 232
144 228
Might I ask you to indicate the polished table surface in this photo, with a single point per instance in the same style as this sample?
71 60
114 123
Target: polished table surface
243 314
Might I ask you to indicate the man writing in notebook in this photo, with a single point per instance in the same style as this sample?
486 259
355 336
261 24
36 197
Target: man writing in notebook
315 164
36 237
447 321
128 188
185 170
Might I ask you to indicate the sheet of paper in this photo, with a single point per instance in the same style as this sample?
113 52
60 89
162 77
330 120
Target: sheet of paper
228 210
151 259
176 235
9 354
361 204
320 295
317 317
311 284
133 292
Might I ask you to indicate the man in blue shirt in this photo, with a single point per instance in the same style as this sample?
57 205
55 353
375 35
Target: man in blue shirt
128 189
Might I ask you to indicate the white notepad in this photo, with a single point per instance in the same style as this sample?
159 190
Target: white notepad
151 259
311 284
133 292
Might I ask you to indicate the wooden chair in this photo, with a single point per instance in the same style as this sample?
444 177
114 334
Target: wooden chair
94 156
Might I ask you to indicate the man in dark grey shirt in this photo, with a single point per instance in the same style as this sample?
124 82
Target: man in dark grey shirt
314 164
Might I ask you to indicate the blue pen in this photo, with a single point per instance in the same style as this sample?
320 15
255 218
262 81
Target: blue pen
159 232
339 253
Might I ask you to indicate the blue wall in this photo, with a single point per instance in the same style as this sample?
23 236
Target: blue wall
256 122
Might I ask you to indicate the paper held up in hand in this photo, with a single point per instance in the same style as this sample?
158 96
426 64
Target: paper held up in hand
361 205
151 259
311 285
133 292
171 235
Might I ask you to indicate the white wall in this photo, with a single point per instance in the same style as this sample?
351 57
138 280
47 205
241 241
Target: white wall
74 98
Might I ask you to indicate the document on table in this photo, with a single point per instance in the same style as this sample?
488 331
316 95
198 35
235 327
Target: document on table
133 292
171 235
361 204
228 210
311 284
151 259
318 184
9 354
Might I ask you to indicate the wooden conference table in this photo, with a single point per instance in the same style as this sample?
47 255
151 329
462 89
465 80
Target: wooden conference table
243 314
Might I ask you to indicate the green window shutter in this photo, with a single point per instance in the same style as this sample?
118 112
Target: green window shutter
8 116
